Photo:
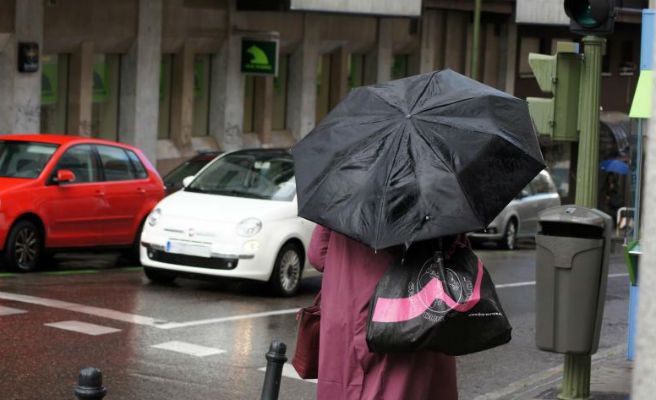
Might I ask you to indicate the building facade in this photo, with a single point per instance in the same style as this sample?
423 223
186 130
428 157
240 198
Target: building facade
165 75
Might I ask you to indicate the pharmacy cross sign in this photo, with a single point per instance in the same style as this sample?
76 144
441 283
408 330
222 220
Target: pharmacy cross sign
259 57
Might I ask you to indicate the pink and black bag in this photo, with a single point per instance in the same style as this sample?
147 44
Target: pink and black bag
438 301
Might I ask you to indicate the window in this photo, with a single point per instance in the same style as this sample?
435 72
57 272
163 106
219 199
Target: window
202 65
54 93
104 110
400 66
542 184
81 160
356 70
137 166
527 45
116 164
323 87
280 88
24 159
164 123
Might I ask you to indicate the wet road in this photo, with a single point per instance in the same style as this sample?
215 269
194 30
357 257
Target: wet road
202 340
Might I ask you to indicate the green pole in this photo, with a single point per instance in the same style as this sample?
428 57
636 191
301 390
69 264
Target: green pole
475 39
576 374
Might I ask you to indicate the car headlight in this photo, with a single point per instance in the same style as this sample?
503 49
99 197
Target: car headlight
249 227
154 216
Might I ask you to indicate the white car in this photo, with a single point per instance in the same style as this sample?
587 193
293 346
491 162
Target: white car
236 218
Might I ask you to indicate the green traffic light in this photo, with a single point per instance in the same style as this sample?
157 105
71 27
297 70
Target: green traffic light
584 17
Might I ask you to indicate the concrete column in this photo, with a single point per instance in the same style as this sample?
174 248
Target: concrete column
455 41
430 40
338 76
140 76
263 109
302 97
7 73
182 98
227 98
510 64
490 56
27 86
80 90
378 64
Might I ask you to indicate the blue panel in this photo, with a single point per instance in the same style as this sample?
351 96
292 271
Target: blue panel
647 48
633 315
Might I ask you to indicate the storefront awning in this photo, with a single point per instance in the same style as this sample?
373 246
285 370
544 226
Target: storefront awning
641 106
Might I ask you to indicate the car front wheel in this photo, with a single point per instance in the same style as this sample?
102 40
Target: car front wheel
24 247
286 276
509 240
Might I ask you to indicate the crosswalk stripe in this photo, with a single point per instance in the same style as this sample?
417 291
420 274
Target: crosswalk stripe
83 327
288 371
189 348
10 311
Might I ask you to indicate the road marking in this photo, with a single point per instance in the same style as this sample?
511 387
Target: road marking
10 311
80 308
188 348
520 388
83 327
289 372
174 325
532 283
163 324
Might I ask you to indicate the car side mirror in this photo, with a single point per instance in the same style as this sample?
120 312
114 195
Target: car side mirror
187 181
64 176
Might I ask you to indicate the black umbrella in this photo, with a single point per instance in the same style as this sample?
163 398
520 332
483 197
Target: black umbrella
416 158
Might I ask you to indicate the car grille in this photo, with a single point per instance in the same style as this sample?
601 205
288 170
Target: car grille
192 261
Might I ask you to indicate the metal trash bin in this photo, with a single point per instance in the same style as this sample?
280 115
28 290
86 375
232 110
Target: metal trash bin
572 251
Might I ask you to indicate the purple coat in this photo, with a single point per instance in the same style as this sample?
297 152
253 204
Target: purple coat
347 370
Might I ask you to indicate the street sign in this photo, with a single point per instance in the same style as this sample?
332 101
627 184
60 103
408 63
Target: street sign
259 56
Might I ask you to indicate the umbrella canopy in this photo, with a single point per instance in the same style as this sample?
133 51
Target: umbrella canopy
616 166
416 158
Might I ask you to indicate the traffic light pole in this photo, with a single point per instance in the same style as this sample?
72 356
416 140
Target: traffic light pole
576 374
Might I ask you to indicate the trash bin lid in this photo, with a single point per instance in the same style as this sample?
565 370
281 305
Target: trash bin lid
573 214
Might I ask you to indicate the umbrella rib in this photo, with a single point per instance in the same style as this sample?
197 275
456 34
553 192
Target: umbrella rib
423 90
513 142
439 156
388 176
370 88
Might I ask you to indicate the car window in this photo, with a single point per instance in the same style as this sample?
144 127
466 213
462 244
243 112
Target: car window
138 168
116 164
188 168
81 160
24 159
542 184
259 176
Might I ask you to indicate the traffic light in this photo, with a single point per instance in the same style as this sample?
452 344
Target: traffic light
591 17
559 75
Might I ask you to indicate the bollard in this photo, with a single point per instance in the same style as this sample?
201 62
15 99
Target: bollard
275 361
89 385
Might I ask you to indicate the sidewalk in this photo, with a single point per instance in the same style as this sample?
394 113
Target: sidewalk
610 380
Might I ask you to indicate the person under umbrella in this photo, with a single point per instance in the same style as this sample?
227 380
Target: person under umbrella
419 158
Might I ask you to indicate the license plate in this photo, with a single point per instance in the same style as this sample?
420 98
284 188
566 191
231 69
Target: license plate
188 249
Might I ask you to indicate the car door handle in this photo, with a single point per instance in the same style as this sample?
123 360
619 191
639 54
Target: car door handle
100 193
141 190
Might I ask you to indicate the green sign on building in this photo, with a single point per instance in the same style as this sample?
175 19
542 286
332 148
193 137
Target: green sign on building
259 57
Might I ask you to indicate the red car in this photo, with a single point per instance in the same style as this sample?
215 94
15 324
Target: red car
65 192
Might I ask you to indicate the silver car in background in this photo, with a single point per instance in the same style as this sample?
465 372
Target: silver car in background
519 219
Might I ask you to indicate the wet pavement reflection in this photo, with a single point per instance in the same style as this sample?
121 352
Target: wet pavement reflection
207 340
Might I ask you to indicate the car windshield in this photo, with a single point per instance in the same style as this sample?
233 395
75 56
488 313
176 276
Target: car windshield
188 168
268 176
24 159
